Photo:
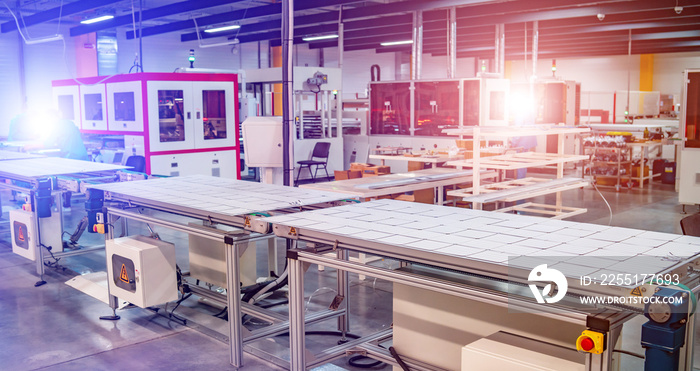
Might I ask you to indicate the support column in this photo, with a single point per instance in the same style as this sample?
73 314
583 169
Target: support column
287 91
535 41
646 72
452 43
417 49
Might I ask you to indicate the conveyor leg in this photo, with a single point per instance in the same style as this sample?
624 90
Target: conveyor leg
233 296
113 300
343 290
297 342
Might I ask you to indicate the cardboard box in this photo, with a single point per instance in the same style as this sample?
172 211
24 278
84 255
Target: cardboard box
424 196
347 174
375 171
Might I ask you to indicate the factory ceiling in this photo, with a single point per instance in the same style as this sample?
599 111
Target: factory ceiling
566 28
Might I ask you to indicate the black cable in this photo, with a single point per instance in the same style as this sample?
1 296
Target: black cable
354 362
398 359
172 312
628 353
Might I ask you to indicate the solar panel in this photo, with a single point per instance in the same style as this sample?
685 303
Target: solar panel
50 166
457 237
222 196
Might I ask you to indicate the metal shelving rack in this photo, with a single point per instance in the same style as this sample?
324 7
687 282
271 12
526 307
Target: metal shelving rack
519 161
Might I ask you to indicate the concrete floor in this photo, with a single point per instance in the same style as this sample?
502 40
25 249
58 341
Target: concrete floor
55 327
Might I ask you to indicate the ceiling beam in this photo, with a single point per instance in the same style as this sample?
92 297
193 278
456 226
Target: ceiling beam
237 15
162 11
54 13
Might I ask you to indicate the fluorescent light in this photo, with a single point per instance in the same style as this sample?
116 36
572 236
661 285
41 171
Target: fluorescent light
390 43
224 28
323 37
98 19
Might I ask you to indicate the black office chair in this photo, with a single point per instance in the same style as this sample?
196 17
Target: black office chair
690 225
321 150
136 163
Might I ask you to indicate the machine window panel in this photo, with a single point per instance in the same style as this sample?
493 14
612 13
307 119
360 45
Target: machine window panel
471 102
171 119
437 107
214 114
391 109
497 106
93 107
124 106
692 114
65 106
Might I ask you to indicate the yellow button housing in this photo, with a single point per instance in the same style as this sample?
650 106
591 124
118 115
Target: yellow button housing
598 341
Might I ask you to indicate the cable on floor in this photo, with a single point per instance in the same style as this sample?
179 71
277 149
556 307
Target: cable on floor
606 202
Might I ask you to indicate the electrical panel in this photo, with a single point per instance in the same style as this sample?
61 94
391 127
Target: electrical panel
24 237
141 270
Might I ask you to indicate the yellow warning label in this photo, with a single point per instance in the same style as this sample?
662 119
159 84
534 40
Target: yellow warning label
247 221
636 292
123 276
20 233
292 231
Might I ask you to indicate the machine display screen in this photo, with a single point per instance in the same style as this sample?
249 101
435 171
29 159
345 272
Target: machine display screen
436 106
391 108
472 94
214 114
124 106
93 107
171 120
692 113
65 106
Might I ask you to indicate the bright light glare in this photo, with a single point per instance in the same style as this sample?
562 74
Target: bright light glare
224 28
522 107
390 43
43 123
97 19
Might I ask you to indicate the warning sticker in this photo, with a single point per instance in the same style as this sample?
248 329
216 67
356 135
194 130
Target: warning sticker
292 231
637 291
123 275
20 234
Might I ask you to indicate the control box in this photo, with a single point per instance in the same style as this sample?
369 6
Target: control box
24 237
141 270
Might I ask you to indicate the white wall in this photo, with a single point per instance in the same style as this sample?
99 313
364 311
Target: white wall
668 70
43 63
356 68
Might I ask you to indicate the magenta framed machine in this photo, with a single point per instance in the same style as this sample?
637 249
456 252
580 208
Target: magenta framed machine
182 123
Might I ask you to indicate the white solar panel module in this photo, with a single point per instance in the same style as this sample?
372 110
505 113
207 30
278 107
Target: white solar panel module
49 166
217 195
461 237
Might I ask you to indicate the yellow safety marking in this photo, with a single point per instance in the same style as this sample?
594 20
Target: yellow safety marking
124 276
637 291
247 221
292 231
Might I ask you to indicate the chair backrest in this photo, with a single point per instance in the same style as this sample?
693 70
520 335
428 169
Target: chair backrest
321 150
690 225
137 163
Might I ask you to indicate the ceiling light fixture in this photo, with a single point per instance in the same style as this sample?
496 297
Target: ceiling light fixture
321 37
391 43
601 16
97 19
224 28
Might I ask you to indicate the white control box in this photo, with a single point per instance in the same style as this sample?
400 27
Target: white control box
141 270
23 233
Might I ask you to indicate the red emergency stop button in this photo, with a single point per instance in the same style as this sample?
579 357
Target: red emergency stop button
591 342
587 344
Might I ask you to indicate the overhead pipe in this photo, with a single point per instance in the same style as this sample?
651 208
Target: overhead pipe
452 43
535 41
419 44
287 90
502 52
